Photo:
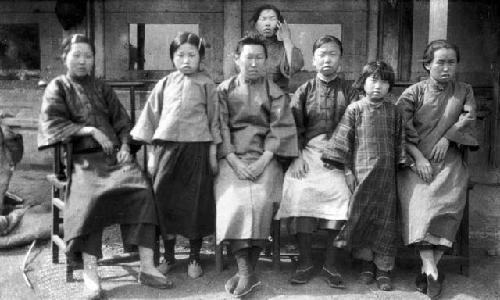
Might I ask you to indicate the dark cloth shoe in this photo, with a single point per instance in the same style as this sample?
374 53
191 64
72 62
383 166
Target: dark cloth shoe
384 281
435 286
154 281
232 283
302 276
245 285
332 277
367 272
421 283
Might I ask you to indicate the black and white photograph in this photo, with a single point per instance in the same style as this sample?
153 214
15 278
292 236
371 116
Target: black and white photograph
249 149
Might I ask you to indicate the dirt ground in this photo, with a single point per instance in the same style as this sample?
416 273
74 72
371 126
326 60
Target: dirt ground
120 282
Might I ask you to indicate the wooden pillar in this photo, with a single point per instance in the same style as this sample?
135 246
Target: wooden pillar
99 69
372 32
438 19
232 33
395 35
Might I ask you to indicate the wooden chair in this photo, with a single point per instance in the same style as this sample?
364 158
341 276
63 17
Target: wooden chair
60 180
275 240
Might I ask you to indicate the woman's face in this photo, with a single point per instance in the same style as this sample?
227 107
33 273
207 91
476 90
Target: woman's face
326 59
444 65
187 59
376 88
267 24
79 60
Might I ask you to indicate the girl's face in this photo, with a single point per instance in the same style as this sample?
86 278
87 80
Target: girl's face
267 24
444 65
376 88
79 60
326 59
187 59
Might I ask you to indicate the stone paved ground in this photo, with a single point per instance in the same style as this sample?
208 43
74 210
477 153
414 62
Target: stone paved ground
120 281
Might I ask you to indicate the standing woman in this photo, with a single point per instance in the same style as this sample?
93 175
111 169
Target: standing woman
284 59
107 186
440 115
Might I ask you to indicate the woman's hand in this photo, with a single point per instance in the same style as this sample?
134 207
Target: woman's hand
424 169
299 168
103 140
284 33
123 156
257 167
241 169
439 150
212 159
350 179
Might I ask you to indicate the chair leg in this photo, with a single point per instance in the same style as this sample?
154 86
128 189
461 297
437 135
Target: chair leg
276 245
69 271
156 248
55 232
219 263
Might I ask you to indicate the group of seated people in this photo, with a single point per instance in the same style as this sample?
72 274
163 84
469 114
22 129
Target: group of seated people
372 172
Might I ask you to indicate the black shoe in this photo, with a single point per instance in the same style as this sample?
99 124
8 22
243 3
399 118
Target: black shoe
367 272
384 281
332 277
435 286
302 276
421 283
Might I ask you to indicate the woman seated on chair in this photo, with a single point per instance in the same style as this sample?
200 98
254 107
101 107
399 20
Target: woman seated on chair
440 115
256 125
107 186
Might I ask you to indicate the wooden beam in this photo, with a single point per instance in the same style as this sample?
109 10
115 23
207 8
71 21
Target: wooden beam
232 33
438 19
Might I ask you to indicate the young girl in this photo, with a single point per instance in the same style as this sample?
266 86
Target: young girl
440 115
313 196
181 120
369 141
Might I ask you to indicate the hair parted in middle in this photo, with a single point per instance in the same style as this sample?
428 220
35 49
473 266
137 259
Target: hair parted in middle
250 38
190 38
376 69
327 39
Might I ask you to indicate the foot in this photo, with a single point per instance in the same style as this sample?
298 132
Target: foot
421 283
332 277
92 285
302 276
156 281
89 294
435 286
166 266
384 281
245 285
194 269
367 272
232 283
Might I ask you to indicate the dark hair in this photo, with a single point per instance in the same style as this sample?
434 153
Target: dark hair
327 39
433 47
250 39
75 39
190 38
377 69
258 11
